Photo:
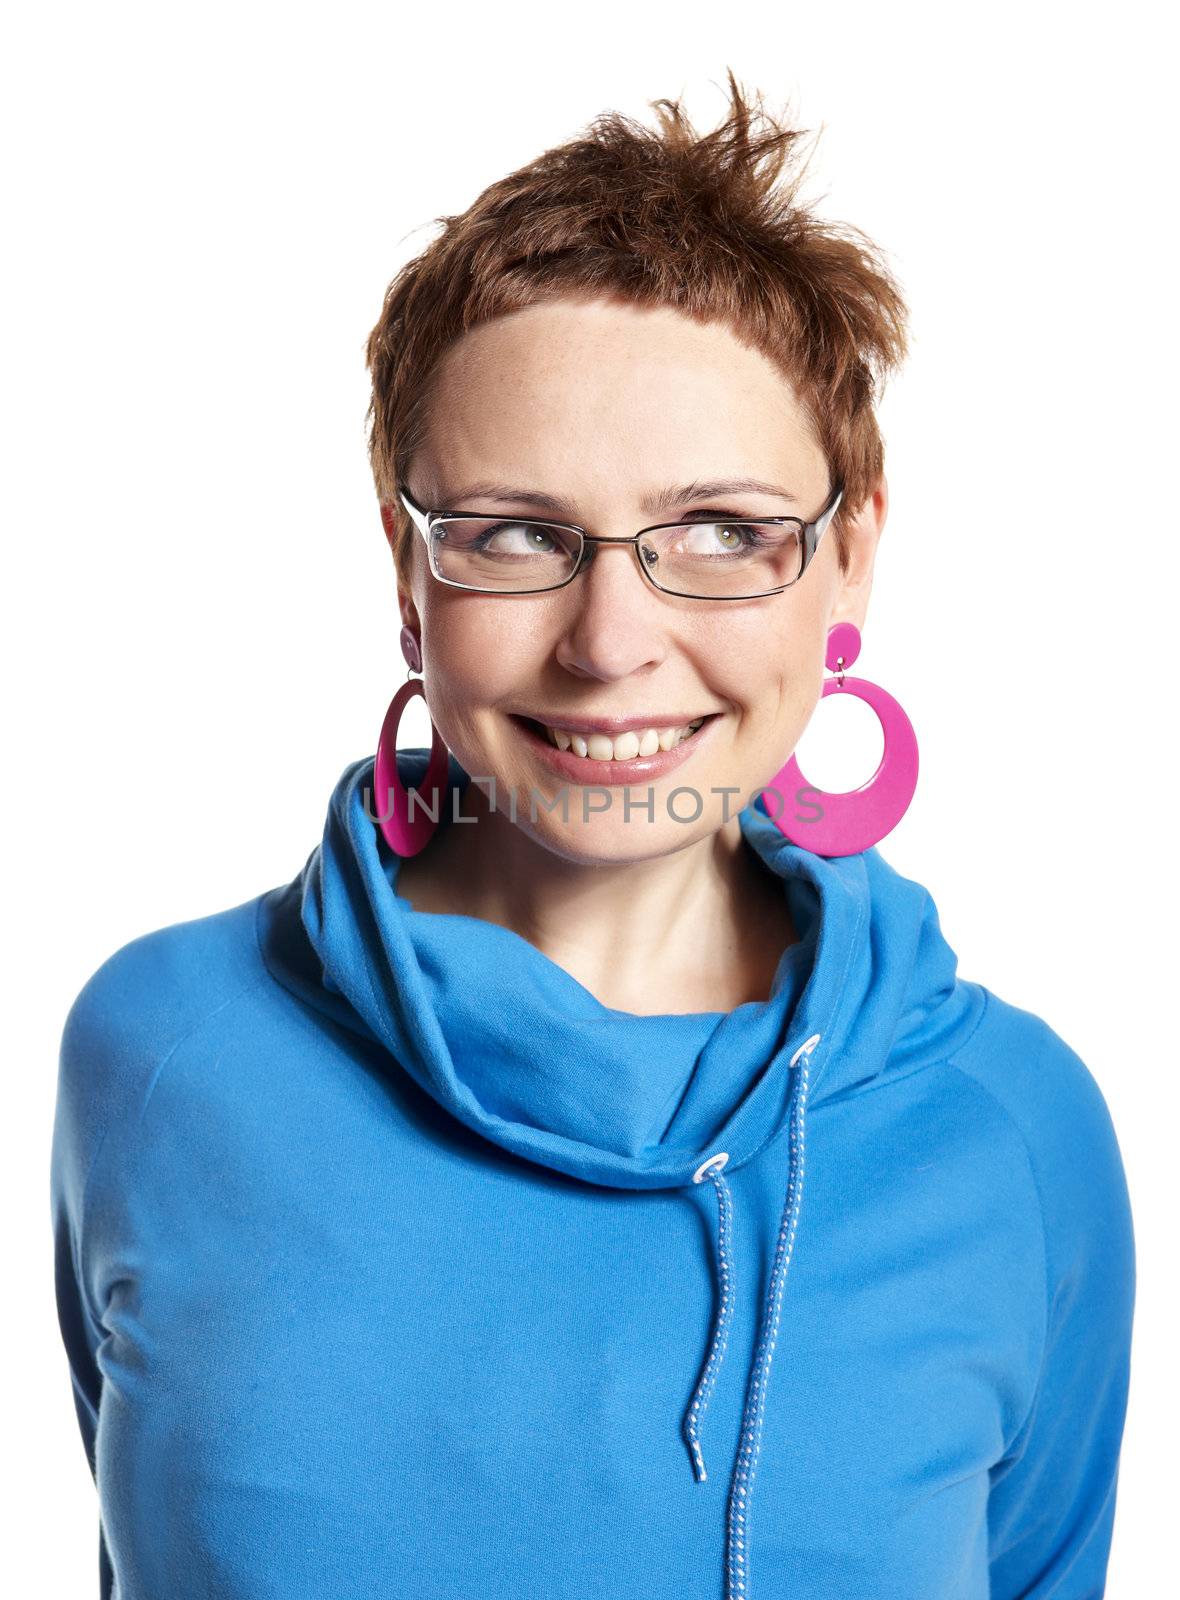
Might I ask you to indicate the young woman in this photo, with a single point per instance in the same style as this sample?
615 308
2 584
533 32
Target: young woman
589 1174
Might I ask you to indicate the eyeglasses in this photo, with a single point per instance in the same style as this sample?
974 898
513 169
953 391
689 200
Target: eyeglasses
706 558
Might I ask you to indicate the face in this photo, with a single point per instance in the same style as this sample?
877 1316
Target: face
604 406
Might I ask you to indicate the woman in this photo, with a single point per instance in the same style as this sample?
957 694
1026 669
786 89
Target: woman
590 1173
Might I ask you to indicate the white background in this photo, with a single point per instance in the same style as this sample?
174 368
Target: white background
204 206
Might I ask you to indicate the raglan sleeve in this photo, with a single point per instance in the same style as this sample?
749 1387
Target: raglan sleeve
1051 1501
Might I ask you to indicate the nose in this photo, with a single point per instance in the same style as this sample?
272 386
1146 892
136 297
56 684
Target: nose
617 619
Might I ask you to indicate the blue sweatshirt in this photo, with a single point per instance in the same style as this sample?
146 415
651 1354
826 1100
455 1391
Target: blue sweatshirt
391 1262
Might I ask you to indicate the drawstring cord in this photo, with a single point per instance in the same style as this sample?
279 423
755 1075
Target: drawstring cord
742 1485
712 1169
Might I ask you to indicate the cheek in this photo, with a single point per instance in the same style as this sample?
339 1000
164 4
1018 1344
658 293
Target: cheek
773 677
777 665
479 652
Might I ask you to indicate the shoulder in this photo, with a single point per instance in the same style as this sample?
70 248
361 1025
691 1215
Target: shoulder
133 1010
1052 1099
1044 1086
154 988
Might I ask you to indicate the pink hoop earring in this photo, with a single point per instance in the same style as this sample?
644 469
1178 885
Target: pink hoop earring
408 830
845 824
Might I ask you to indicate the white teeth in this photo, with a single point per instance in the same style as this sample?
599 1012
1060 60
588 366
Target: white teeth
636 742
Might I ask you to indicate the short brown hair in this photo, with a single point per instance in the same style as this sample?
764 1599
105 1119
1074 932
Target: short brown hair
709 224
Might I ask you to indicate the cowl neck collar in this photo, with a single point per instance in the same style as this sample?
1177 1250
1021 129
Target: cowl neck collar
518 1050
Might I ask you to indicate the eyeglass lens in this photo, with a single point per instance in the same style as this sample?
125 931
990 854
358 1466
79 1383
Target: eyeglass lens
710 559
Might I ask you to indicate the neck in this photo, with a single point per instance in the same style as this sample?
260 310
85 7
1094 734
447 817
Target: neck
700 928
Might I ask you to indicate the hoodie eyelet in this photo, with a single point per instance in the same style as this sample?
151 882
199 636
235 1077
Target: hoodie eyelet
717 1161
806 1047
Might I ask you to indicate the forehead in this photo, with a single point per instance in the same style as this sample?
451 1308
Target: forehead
571 389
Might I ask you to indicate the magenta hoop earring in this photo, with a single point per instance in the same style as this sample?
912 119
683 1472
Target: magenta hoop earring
408 829
845 824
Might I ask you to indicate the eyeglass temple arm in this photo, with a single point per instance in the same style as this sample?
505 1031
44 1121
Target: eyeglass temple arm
415 512
813 532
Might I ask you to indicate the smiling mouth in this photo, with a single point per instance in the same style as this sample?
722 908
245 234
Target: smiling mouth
635 743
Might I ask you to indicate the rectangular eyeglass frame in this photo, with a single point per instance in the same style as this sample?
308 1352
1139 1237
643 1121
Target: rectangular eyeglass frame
425 521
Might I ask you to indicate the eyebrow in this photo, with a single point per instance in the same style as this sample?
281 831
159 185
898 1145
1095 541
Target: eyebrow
652 504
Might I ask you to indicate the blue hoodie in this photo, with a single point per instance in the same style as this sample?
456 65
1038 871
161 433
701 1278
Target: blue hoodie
391 1262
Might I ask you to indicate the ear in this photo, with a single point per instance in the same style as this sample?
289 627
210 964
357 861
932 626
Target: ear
389 522
862 536
408 610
